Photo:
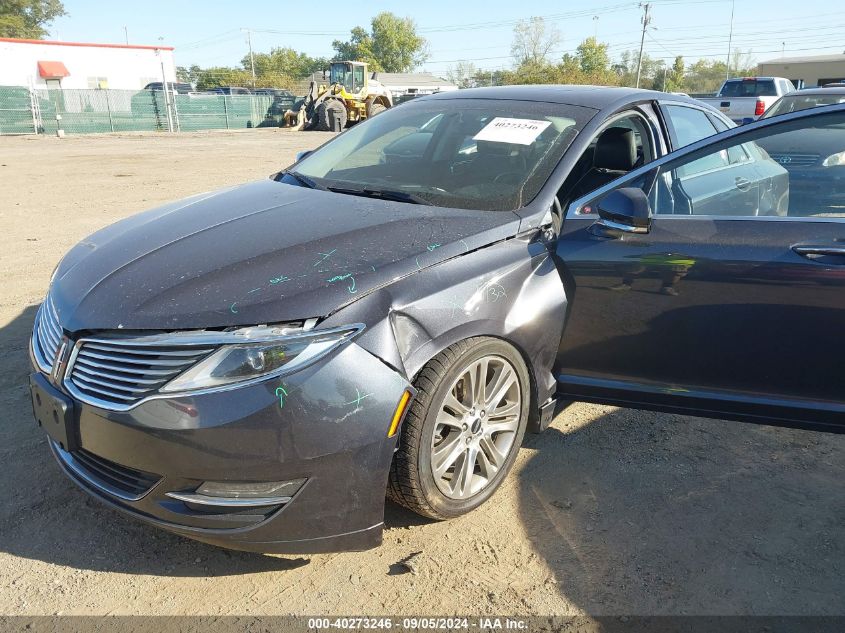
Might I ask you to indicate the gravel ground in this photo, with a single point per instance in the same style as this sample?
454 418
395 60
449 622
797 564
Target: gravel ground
611 511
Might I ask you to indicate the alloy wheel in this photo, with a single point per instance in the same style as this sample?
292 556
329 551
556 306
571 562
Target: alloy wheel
476 427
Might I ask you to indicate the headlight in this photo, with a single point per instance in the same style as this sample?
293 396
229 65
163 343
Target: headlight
259 353
834 160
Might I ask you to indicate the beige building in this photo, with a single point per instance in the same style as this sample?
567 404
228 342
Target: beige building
813 70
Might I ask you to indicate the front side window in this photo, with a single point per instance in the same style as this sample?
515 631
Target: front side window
341 74
688 125
796 169
462 153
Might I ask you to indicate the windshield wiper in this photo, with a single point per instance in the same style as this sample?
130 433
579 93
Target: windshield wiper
303 179
383 194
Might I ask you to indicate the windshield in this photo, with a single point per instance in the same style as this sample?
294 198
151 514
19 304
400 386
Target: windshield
749 88
794 103
341 74
465 153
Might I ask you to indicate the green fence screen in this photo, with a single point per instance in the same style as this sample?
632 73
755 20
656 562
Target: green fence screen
27 111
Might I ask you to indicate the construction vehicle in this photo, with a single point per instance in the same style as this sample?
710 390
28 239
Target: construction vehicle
350 95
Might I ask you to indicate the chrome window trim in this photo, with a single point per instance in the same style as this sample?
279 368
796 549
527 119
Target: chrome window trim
199 338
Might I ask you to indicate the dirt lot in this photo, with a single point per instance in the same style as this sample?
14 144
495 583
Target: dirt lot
611 511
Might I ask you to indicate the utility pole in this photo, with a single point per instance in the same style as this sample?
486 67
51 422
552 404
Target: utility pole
730 39
126 34
251 56
596 28
646 20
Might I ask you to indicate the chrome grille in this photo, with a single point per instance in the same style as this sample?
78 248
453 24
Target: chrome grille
48 334
795 160
118 373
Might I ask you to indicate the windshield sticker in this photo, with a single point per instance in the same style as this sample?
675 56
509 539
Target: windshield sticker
505 130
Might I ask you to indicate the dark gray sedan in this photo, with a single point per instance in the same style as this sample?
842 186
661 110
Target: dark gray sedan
256 367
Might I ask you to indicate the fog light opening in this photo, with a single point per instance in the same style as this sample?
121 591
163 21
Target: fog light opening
234 494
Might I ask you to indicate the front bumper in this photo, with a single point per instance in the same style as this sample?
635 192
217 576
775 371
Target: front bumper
330 429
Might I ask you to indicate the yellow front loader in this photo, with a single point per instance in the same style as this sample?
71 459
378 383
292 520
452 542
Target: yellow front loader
349 96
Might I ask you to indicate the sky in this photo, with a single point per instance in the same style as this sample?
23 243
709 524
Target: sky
209 33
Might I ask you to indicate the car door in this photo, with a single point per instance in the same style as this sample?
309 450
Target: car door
717 306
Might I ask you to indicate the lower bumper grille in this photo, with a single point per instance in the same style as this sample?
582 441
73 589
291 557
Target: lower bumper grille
119 481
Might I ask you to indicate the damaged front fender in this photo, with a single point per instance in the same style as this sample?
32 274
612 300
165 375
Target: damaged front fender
510 290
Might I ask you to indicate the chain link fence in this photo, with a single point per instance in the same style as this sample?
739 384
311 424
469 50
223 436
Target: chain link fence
35 111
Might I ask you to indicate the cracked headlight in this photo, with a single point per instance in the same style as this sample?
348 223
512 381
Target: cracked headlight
259 353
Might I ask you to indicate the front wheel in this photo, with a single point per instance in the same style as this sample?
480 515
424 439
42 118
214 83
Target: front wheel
463 430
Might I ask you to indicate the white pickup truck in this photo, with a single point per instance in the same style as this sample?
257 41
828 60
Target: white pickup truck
746 99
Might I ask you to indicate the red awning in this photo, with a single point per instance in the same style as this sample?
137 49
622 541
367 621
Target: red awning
52 70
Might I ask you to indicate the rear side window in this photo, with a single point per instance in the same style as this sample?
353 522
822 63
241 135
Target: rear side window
688 125
749 88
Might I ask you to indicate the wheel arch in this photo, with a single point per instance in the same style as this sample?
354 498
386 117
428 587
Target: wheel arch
478 329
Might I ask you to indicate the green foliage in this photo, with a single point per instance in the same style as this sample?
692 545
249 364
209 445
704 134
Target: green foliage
589 65
358 48
675 79
189 75
217 76
392 45
593 58
280 68
27 19
708 75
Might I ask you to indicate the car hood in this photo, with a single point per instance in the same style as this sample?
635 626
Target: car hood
826 141
259 253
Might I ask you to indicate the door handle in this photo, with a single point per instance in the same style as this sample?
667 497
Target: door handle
743 184
819 250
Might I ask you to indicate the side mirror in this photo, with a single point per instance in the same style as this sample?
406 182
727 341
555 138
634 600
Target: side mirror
303 154
626 209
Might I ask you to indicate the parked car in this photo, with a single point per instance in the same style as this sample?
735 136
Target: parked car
176 87
803 99
230 90
256 367
746 99
274 92
818 175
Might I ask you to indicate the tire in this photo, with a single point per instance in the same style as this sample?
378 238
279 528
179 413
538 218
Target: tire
327 112
426 443
374 108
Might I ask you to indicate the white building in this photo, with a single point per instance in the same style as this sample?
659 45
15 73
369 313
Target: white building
46 64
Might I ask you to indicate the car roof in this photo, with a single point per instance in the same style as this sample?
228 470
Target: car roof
596 97
833 90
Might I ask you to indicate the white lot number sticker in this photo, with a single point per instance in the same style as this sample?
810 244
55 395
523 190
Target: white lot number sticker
505 130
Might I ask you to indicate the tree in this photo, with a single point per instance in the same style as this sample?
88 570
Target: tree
209 78
188 75
392 45
592 57
283 65
675 81
359 48
28 19
651 73
533 41
463 75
